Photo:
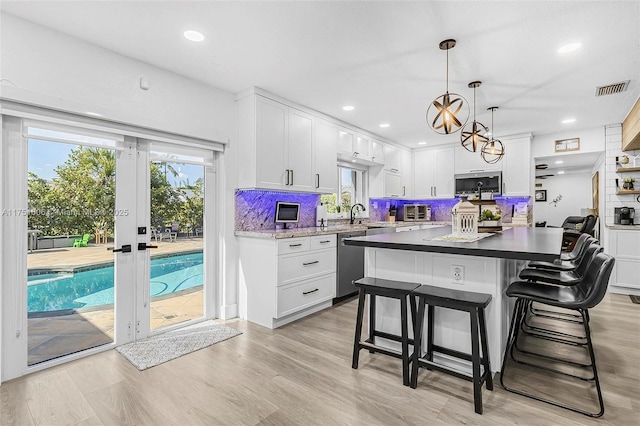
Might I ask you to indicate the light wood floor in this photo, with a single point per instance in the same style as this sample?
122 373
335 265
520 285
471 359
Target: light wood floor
300 374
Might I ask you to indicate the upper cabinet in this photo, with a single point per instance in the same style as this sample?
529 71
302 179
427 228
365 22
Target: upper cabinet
397 172
472 162
631 129
276 143
434 173
377 151
324 156
517 167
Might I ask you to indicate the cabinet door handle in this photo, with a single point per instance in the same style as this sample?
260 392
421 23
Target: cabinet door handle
291 176
403 190
325 241
310 263
310 291
503 188
435 191
295 245
286 179
317 180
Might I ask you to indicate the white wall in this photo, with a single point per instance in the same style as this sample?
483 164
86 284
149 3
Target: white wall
47 68
576 195
591 140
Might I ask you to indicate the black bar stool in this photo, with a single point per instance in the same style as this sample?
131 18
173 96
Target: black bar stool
581 297
474 304
385 288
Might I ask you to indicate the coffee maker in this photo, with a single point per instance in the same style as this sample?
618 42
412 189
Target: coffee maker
623 215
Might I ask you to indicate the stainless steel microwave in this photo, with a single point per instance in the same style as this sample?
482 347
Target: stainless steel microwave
485 183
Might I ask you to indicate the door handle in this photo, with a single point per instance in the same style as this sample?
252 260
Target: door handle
311 291
317 180
404 190
291 176
287 177
310 263
126 248
144 246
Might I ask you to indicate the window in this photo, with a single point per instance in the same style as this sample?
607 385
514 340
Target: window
352 189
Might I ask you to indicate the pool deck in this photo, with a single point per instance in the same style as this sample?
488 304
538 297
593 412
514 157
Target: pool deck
79 256
53 336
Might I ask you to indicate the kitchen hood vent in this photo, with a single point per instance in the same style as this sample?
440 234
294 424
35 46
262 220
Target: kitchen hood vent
612 89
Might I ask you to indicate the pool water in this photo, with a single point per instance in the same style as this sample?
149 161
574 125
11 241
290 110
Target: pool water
94 287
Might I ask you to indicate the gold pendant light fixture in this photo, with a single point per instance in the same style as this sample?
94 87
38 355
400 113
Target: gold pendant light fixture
448 113
493 150
473 134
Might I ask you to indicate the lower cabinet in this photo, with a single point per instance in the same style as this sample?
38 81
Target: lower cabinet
623 245
286 279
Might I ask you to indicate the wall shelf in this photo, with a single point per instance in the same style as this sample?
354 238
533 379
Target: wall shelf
627 169
627 191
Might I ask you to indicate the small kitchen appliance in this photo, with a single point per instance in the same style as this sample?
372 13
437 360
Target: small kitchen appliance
623 215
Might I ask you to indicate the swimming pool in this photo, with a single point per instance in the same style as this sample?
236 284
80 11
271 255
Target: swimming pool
87 287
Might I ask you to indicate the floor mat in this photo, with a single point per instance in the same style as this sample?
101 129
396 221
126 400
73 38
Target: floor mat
164 347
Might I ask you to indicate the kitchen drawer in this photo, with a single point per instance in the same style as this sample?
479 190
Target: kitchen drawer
300 295
305 265
323 241
293 245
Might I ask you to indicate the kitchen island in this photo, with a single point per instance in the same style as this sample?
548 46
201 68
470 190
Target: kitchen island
488 265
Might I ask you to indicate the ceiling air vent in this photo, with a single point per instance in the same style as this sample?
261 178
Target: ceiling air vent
612 89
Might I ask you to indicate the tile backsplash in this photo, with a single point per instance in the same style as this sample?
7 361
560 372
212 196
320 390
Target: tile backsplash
255 209
440 209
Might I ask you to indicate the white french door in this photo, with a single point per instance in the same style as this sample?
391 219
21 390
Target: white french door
104 241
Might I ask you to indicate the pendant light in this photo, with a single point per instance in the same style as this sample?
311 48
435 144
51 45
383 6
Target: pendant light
473 134
447 113
493 150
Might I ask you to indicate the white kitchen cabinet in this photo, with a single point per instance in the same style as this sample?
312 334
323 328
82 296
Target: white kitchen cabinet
286 279
324 156
393 185
276 145
353 145
434 173
393 159
472 162
377 151
516 167
362 147
623 245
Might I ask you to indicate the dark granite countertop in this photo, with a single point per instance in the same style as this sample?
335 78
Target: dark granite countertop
514 243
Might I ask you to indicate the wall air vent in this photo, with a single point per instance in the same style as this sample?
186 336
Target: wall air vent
612 89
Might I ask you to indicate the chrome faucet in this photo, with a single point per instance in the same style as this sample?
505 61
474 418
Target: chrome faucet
352 215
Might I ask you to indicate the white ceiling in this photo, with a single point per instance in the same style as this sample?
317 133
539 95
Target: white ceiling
383 57
570 163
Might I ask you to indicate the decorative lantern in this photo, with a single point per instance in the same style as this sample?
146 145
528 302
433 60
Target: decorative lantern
464 218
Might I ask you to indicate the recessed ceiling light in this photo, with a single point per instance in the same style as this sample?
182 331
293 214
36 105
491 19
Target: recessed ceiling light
568 121
193 35
422 143
561 172
348 108
384 125
559 162
93 114
571 47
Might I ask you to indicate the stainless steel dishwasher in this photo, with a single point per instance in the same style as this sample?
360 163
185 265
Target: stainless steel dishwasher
350 264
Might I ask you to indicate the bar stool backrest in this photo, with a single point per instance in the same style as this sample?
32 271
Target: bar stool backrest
587 258
594 285
584 240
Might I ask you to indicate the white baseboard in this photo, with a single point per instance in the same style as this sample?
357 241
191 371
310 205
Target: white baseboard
228 311
623 290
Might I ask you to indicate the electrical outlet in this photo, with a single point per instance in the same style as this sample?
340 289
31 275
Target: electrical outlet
457 273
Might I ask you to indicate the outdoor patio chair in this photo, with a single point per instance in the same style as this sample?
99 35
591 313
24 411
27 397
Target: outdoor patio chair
82 242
